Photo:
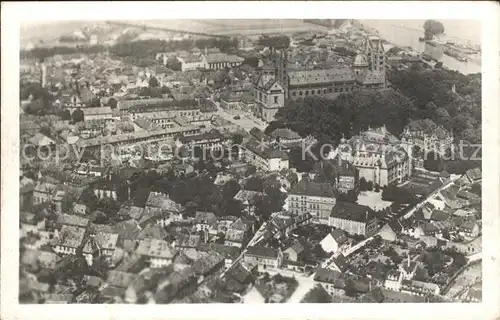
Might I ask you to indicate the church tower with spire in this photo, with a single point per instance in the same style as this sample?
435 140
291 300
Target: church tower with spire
280 61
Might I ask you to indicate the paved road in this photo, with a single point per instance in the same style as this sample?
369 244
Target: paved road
246 121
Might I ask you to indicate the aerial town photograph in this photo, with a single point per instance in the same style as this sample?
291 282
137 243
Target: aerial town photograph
250 161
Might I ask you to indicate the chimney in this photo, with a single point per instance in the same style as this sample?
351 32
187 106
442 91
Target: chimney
408 261
206 51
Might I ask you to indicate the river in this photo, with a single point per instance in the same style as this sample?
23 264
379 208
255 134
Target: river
405 33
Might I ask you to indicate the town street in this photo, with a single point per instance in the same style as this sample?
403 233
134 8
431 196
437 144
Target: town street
246 121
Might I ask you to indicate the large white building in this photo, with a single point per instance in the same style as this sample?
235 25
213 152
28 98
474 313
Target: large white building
378 155
192 62
265 158
425 136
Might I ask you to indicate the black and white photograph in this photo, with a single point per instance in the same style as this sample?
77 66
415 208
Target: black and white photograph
251 161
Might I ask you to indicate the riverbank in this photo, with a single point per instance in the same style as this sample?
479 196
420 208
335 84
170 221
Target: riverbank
403 33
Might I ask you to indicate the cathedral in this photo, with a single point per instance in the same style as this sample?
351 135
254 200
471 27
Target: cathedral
367 72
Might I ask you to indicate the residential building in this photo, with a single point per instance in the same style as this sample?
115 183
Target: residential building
31 223
316 198
332 281
211 140
100 243
235 238
419 288
353 218
286 137
334 241
427 136
232 101
408 268
43 193
72 220
98 113
94 145
216 61
204 221
346 176
391 230
68 240
264 257
40 140
208 265
247 198
230 253
191 62
265 158
294 252
159 252
393 280
378 156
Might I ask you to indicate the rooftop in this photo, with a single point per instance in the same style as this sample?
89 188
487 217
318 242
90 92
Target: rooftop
70 236
352 211
261 251
330 276
155 248
73 220
310 188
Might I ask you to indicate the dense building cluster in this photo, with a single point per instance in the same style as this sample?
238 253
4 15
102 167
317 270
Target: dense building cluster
155 185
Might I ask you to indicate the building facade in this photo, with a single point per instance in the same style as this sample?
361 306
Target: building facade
378 156
269 95
425 136
354 219
317 199
265 158
367 72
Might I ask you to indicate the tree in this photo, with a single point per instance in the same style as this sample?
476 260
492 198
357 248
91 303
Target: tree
251 61
350 288
363 184
77 115
433 162
350 196
254 184
369 186
298 161
317 295
89 198
153 82
397 195
377 187
113 103
174 64
230 189
65 115
432 28
237 139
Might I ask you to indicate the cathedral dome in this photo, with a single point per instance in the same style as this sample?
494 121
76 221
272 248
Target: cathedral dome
360 60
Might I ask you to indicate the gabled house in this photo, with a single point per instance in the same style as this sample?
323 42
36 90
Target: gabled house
264 257
334 241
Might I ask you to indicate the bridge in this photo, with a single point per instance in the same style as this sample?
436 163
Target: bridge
144 26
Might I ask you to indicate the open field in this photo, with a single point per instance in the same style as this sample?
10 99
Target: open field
235 27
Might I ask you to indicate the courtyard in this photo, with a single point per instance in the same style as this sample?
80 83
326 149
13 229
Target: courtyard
373 200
